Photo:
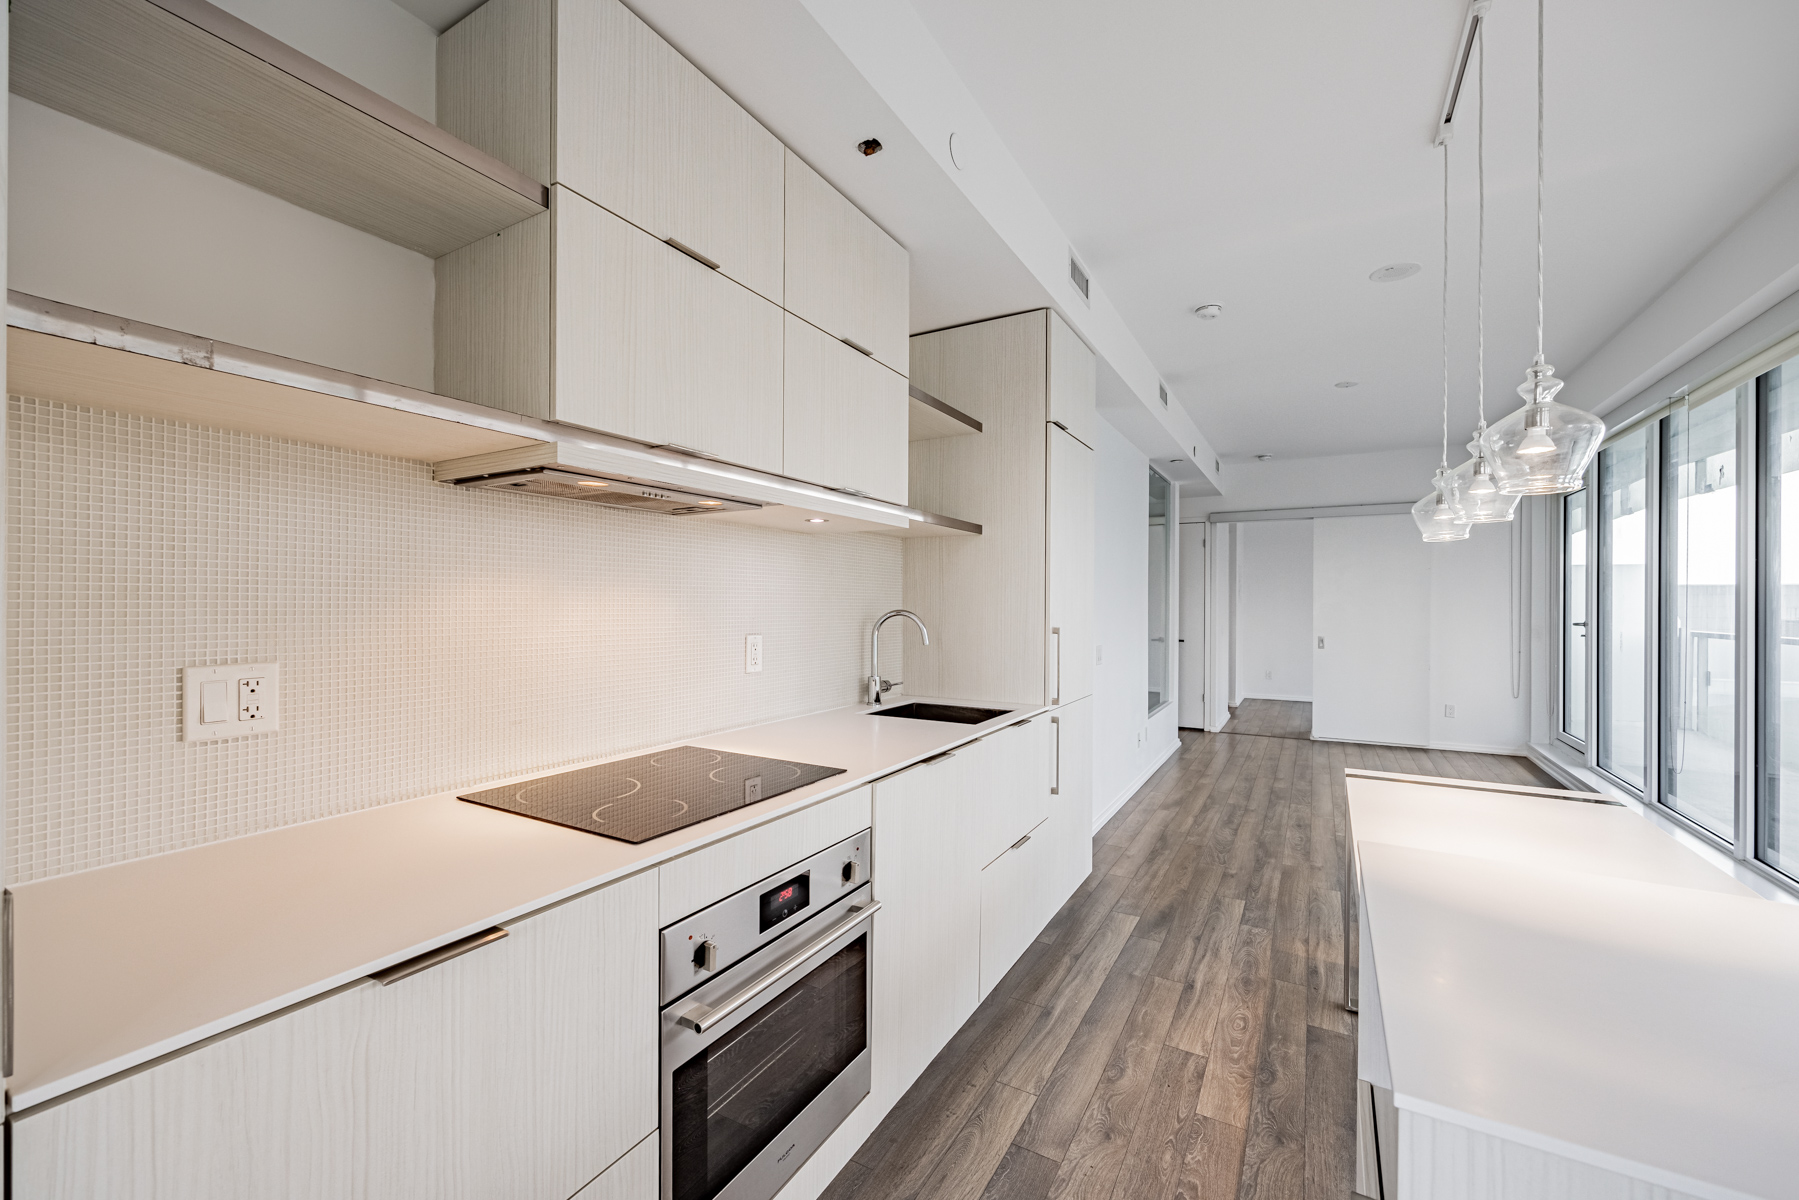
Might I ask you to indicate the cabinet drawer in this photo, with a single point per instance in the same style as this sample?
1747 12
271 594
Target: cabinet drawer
521 1069
651 345
1014 794
1016 902
716 871
583 93
844 274
845 423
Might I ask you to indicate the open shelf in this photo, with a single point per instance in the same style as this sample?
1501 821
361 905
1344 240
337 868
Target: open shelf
932 418
61 352
189 78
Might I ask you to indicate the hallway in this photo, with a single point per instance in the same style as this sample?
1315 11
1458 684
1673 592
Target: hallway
1178 1029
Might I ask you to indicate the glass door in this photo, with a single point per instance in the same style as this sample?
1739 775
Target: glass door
1777 808
1574 616
1699 613
1624 607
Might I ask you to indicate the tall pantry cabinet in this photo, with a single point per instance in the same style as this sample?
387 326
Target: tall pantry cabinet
1011 612
694 283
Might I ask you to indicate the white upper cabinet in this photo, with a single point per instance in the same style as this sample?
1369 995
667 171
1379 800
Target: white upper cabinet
846 416
1073 383
584 94
844 274
580 316
1069 568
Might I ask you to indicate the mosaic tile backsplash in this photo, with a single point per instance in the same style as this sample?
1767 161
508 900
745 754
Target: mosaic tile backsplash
429 638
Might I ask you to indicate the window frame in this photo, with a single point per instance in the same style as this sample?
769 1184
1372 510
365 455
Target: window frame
1559 714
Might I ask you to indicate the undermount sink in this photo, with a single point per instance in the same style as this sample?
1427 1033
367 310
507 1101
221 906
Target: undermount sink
957 714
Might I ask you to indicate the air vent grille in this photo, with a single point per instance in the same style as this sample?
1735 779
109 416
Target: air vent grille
1079 275
1163 389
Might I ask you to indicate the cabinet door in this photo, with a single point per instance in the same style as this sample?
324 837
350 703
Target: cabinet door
846 416
521 1069
653 346
844 274
1014 791
1013 902
1073 382
1069 652
636 1176
1071 801
642 132
927 944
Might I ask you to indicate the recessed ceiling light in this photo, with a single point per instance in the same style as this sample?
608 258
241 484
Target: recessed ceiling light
1393 272
1345 383
711 502
1209 312
816 520
871 146
592 483
1264 457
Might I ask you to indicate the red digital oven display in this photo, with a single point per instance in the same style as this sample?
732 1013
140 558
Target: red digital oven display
785 899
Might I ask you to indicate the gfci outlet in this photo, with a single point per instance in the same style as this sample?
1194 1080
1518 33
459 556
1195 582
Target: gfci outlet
230 702
752 653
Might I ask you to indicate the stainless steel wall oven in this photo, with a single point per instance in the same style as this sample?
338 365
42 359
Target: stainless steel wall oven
765 1026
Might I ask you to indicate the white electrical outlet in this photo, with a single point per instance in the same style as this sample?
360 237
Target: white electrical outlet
1449 710
1099 655
1267 674
229 702
752 653
1321 643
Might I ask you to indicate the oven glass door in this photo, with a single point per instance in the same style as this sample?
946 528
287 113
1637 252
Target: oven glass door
732 1098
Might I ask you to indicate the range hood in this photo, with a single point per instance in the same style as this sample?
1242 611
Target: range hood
615 491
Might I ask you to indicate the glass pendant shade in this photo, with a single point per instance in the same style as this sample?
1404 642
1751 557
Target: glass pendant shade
1474 494
1435 516
1543 448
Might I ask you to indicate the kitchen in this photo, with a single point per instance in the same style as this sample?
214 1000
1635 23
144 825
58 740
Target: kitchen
580 613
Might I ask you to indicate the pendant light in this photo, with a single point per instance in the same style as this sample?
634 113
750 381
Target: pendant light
1436 513
1543 448
1476 496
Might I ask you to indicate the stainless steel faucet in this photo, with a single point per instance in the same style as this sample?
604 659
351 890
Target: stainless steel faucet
877 685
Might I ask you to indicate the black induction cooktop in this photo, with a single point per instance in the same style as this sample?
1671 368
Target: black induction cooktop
636 799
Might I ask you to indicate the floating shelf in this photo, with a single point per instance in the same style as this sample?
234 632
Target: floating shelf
189 78
75 355
932 418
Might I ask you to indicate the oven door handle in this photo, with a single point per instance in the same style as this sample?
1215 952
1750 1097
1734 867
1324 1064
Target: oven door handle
702 1019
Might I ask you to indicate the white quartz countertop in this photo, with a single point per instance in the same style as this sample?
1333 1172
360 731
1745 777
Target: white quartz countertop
1639 1027
119 965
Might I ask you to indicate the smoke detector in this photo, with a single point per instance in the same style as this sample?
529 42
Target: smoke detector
1209 312
1394 272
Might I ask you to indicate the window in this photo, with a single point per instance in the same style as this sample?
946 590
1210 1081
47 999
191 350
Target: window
1777 807
1574 615
1699 612
1161 526
1623 607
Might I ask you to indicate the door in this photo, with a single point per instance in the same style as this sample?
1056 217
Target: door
654 346
1191 661
1069 651
845 418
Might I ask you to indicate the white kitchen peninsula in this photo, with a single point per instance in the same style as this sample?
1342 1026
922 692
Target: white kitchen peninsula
1558 1000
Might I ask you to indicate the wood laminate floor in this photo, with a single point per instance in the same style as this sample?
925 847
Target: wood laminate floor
1271 718
1178 1029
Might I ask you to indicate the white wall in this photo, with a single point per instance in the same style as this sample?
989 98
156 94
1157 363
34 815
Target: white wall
107 223
1274 615
1476 658
1372 606
1380 477
1128 744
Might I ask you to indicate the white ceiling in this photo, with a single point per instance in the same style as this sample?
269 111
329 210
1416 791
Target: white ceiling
1267 157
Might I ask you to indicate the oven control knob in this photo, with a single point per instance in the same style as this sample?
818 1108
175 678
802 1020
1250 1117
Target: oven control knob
851 870
705 956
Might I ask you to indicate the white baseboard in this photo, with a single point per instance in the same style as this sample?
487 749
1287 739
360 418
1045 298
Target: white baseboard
1272 696
1130 789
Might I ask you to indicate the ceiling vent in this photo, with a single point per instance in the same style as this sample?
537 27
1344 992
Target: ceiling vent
1078 274
1163 389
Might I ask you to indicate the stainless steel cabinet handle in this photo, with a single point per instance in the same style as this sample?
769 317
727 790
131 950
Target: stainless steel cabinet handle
1057 698
1056 788
939 757
442 954
690 252
1021 841
857 347
699 1018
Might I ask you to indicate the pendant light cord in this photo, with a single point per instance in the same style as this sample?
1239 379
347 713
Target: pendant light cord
1539 177
1480 268
1445 463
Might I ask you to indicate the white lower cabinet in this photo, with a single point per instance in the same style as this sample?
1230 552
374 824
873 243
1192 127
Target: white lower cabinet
1071 798
1013 797
927 969
636 1176
524 1068
1017 901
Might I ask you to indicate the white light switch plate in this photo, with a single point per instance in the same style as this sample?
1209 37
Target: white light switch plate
228 702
